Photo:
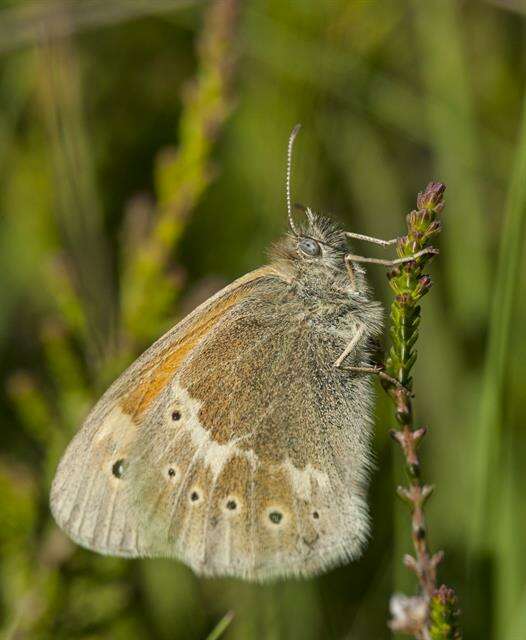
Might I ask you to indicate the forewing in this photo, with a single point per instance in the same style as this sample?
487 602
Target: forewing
91 497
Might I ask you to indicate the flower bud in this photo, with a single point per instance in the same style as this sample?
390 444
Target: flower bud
432 197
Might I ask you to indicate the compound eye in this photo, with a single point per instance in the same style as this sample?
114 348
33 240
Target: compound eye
309 247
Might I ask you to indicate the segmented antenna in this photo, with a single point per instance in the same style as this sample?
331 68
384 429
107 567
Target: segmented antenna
292 137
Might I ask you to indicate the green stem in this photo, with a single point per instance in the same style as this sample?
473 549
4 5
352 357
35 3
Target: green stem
429 614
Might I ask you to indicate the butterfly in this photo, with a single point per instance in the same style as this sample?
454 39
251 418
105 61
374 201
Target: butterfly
239 443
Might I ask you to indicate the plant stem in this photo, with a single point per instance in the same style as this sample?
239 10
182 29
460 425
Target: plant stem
222 626
432 614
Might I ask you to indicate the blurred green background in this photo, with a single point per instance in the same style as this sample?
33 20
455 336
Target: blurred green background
142 163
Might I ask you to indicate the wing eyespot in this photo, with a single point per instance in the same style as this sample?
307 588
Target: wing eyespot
171 473
196 496
231 506
176 415
118 468
316 515
275 517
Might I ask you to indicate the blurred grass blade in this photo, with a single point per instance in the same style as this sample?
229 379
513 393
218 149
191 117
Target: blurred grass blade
32 408
222 626
455 144
517 6
25 23
488 426
518 621
488 429
66 371
79 215
509 557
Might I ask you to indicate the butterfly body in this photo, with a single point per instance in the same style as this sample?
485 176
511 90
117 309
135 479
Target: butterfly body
234 443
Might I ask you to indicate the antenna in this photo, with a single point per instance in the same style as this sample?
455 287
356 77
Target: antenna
292 137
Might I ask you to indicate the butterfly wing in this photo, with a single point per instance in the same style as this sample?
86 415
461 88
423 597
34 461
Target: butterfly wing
270 457
88 499
232 444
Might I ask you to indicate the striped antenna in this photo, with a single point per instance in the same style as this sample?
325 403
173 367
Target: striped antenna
292 137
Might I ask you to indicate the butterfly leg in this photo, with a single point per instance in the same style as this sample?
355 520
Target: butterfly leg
351 345
379 371
349 258
373 369
350 272
361 236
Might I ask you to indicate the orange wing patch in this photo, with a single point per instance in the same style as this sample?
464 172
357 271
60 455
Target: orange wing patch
158 371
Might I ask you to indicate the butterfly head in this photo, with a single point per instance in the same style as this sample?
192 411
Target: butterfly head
314 253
